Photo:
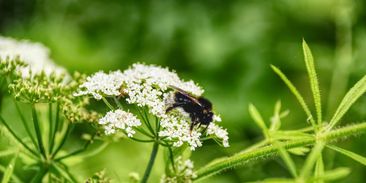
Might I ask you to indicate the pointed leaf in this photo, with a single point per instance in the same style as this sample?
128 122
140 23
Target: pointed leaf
295 92
286 158
300 151
256 116
311 160
314 84
332 175
319 169
351 97
350 154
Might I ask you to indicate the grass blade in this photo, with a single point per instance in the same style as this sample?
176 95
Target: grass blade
351 97
350 154
314 84
256 116
295 92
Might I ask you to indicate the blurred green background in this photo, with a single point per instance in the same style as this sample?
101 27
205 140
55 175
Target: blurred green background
225 46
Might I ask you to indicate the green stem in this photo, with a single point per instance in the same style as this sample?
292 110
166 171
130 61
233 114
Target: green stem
86 145
63 141
57 120
51 126
38 131
110 106
17 138
24 121
154 152
261 153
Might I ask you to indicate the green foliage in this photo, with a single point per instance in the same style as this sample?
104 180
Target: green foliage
321 137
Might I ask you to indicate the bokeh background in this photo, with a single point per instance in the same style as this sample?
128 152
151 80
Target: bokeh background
225 46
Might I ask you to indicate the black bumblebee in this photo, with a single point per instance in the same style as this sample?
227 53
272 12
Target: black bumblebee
198 108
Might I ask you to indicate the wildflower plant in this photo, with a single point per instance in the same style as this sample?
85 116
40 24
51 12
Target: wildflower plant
310 141
53 112
138 99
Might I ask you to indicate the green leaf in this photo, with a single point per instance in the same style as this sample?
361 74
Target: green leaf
300 151
256 116
351 97
350 154
332 175
276 118
9 170
295 92
314 84
319 169
311 160
286 158
57 169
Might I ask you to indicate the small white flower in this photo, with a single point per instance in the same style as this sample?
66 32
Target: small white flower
101 84
184 172
36 55
219 132
119 119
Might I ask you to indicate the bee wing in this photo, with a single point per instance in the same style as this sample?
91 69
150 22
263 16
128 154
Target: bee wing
194 99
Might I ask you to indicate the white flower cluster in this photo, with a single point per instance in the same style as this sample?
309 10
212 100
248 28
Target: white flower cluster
102 84
36 55
151 86
119 119
184 172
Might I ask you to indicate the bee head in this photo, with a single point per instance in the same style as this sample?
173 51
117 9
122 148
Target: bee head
207 117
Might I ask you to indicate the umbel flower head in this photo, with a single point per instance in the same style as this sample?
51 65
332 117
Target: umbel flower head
183 172
150 87
35 55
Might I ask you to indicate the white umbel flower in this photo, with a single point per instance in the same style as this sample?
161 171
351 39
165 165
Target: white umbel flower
183 172
36 55
150 86
101 84
119 119
219 133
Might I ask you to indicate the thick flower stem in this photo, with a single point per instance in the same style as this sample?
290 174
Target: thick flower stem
153 154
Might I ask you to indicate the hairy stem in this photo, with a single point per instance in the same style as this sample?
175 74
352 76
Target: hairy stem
153 154
240 159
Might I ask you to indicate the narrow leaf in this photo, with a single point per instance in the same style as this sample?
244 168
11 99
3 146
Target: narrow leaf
286 158
351 97
333 175
314 84
295 92
350 154
319 169
300 151
9 170
256 116
311 160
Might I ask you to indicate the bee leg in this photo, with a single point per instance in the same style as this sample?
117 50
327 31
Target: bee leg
204 131
199 125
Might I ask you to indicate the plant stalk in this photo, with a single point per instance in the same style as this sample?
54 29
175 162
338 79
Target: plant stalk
153 154
262 153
